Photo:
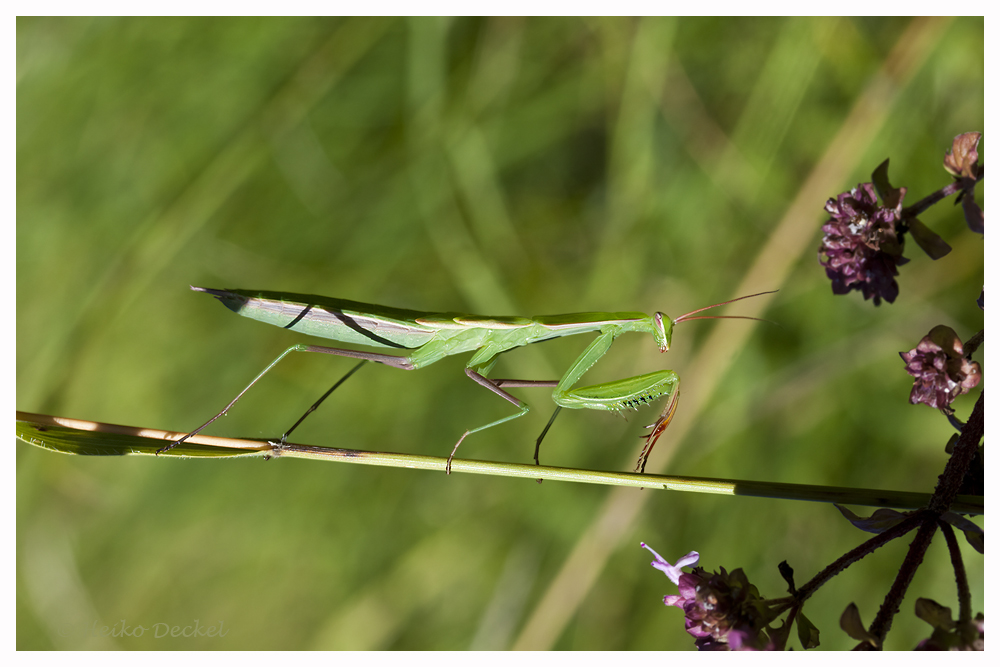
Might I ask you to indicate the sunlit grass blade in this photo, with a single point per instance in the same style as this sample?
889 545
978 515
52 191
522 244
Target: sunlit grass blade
86 438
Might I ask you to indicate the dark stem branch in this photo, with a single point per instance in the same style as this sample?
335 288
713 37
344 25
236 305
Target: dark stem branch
859 552
950 480
947 489
890 606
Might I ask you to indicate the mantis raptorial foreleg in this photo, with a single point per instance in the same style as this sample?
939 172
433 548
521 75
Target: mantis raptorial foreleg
659 426
616 395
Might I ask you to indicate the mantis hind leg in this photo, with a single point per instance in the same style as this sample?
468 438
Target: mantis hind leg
388 359
312 408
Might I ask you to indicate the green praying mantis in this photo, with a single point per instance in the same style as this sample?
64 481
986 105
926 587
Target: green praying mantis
430 337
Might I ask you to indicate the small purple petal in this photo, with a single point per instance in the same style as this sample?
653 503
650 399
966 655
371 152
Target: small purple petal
673 572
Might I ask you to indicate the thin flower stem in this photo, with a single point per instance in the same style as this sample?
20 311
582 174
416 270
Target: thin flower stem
961 580
56 433
933 198
973 344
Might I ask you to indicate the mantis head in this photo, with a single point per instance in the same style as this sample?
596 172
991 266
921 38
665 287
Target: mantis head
663 326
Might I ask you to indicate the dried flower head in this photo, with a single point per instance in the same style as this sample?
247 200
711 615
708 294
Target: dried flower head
962 162
942 371
962 159
861 245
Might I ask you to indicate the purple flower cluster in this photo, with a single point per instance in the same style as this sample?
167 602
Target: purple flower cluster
861 245
722 611
942 371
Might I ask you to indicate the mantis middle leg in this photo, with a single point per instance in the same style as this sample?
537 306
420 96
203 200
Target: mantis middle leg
477 374
498 383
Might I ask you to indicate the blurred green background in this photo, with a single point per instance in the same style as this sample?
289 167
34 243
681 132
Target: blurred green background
495 166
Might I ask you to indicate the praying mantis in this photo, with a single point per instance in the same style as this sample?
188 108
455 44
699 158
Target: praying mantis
430 337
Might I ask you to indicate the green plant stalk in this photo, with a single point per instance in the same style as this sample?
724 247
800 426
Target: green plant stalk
87 438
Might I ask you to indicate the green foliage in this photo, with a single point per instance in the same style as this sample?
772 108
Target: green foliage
497 166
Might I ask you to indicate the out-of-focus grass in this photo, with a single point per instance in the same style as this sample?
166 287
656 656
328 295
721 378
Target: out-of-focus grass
497 166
